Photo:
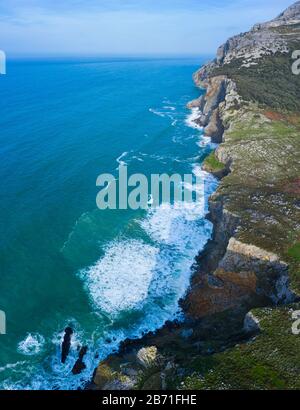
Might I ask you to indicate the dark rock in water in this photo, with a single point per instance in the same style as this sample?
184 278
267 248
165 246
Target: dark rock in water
172 325
66 344
79 366
127 344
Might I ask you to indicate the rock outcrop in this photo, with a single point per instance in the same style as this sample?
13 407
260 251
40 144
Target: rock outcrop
66 344
147 357
291 16
251 323
265 39
238 267
79 365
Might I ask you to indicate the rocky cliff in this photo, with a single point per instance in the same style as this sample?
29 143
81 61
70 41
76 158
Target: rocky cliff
251 109
254 212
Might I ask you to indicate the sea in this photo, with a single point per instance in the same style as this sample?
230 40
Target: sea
109 274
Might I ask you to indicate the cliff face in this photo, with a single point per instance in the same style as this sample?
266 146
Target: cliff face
255 214
267 39
259 63
255 210
251 108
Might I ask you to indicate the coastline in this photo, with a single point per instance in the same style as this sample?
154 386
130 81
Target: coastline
171 329
150 240
128 346
245 278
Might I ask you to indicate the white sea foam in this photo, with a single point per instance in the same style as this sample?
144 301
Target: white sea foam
148 277
11 366
197 171
32 344
156 157
179 234
209 181
175 225
76 338
156 112
120 280
206 177
204 141
137 158
190 120
119 159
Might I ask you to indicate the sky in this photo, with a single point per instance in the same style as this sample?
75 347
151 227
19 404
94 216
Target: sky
126 27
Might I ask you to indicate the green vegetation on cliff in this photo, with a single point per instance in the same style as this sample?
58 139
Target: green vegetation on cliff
264 185
261 144
270 360
294 252
211 164
270 82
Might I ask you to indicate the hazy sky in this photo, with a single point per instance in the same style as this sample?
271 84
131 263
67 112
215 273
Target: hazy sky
95 27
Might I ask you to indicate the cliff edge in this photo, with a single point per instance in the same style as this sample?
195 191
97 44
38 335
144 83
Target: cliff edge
245 290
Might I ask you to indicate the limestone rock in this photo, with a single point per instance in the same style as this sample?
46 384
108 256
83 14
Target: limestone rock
219 292
215 128
197 103
251 323
147 356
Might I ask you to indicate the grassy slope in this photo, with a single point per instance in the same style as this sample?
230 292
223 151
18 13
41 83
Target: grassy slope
261 190
264 188
211 163
270 82
271 360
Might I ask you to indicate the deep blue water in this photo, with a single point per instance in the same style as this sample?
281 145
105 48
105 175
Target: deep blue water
109 274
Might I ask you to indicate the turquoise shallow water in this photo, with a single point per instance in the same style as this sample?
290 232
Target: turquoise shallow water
109 274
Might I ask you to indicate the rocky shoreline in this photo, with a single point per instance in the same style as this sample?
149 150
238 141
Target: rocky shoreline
249 263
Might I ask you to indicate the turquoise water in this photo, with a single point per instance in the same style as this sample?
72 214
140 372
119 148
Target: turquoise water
108 274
